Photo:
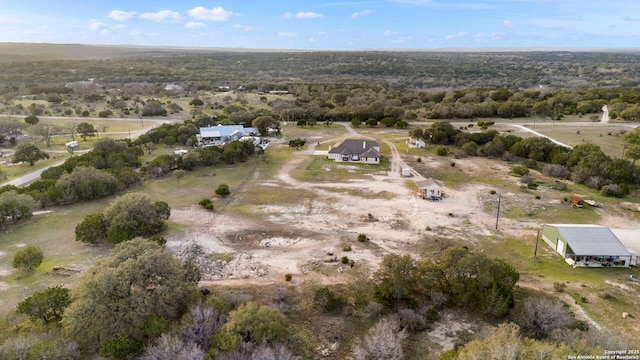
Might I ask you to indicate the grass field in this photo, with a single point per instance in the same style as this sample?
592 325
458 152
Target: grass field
609 138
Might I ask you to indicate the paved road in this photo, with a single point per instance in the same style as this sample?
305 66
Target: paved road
35 175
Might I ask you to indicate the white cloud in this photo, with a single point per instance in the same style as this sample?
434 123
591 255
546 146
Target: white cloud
358 14
6 19
243 27
119 15
308 15
390 33
459 34
509 23
214 14
286 34
286 15
194 25
95 24
484 37
105 28
161 15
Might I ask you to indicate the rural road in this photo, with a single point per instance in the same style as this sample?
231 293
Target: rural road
35 175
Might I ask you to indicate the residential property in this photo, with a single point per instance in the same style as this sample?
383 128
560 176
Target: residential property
416 143
218 135
173 87
430 189
355 150
587 245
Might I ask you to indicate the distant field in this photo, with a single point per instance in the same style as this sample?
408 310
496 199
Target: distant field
608 137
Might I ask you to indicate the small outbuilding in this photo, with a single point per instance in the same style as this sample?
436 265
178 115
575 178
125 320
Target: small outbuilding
430 189
586 245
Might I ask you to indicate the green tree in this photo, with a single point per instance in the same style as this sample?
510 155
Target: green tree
137 281
256 323
371 122
28 258
396 278
178 174
85 129
15 207
47 305
132 215
162 209
28 152
153 108
93 229
32 119
264 123
120 347
355 122
196 102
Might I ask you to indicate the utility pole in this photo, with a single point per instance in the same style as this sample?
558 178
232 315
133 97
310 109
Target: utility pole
498 213
535 252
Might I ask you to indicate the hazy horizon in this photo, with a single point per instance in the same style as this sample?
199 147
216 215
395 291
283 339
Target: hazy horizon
419 25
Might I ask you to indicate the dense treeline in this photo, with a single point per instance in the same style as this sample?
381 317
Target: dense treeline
167 317
418 70
583 164
109 168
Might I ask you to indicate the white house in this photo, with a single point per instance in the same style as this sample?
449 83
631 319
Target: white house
218 135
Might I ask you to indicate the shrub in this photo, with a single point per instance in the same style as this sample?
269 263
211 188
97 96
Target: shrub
613 190
607 296
559 287
411 320
223 190
326 300
560 186
344 260
556 171
346 248
206 203
28 258
537 197
288 277
526 179
532 185
362 238
442 151
492 192
419 159
520 170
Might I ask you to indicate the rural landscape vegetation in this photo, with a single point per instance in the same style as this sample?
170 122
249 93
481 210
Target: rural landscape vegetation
122 238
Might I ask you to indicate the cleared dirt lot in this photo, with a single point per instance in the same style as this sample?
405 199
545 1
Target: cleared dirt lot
301 232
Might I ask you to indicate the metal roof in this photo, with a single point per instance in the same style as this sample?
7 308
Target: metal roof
226 130
592 240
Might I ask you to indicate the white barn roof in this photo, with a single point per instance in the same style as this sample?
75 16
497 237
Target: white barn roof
591 240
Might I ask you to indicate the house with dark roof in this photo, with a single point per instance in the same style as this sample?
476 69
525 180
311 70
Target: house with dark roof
355 150
586 245
218 135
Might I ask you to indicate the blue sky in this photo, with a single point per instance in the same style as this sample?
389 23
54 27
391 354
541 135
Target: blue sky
331 24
